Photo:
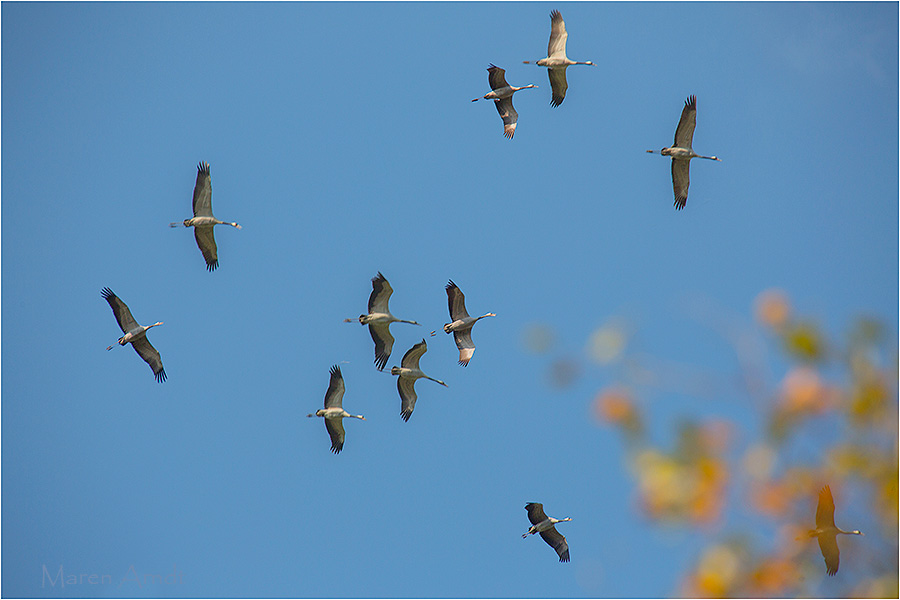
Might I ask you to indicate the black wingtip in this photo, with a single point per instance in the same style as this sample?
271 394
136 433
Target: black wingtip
106 293
691 102
161 376
337 448
405 415
381 361
680 202
212 266
203 167
335 371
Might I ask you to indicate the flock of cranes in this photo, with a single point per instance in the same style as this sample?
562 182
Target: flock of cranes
379 317
557 62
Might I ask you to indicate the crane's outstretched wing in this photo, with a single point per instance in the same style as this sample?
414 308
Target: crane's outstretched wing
150 355
558 542
558 85
384 343
381 293
535 512
681 180
509 116
557 46
465 345
828 546
456 302
335 428
412 356
120 310
335 393
203 192
825 508
496 77
408 396
203 234
684 133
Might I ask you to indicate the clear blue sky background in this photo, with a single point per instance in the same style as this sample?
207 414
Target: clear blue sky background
343 139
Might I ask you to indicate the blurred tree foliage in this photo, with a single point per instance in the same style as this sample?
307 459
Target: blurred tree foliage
831 418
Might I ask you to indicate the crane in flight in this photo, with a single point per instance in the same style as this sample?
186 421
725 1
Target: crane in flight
334 413
135 334
203 220
544 525
379 320
409 372
682 153
501 93
461 326
827 532
556 59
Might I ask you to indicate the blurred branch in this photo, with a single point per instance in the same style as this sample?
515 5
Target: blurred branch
850 385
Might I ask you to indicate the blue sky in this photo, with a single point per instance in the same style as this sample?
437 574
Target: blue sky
343 139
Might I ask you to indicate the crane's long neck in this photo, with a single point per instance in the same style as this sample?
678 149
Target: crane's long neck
154 325
357 417
854 532
435 380
410 322
708 157
486 315
524 87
